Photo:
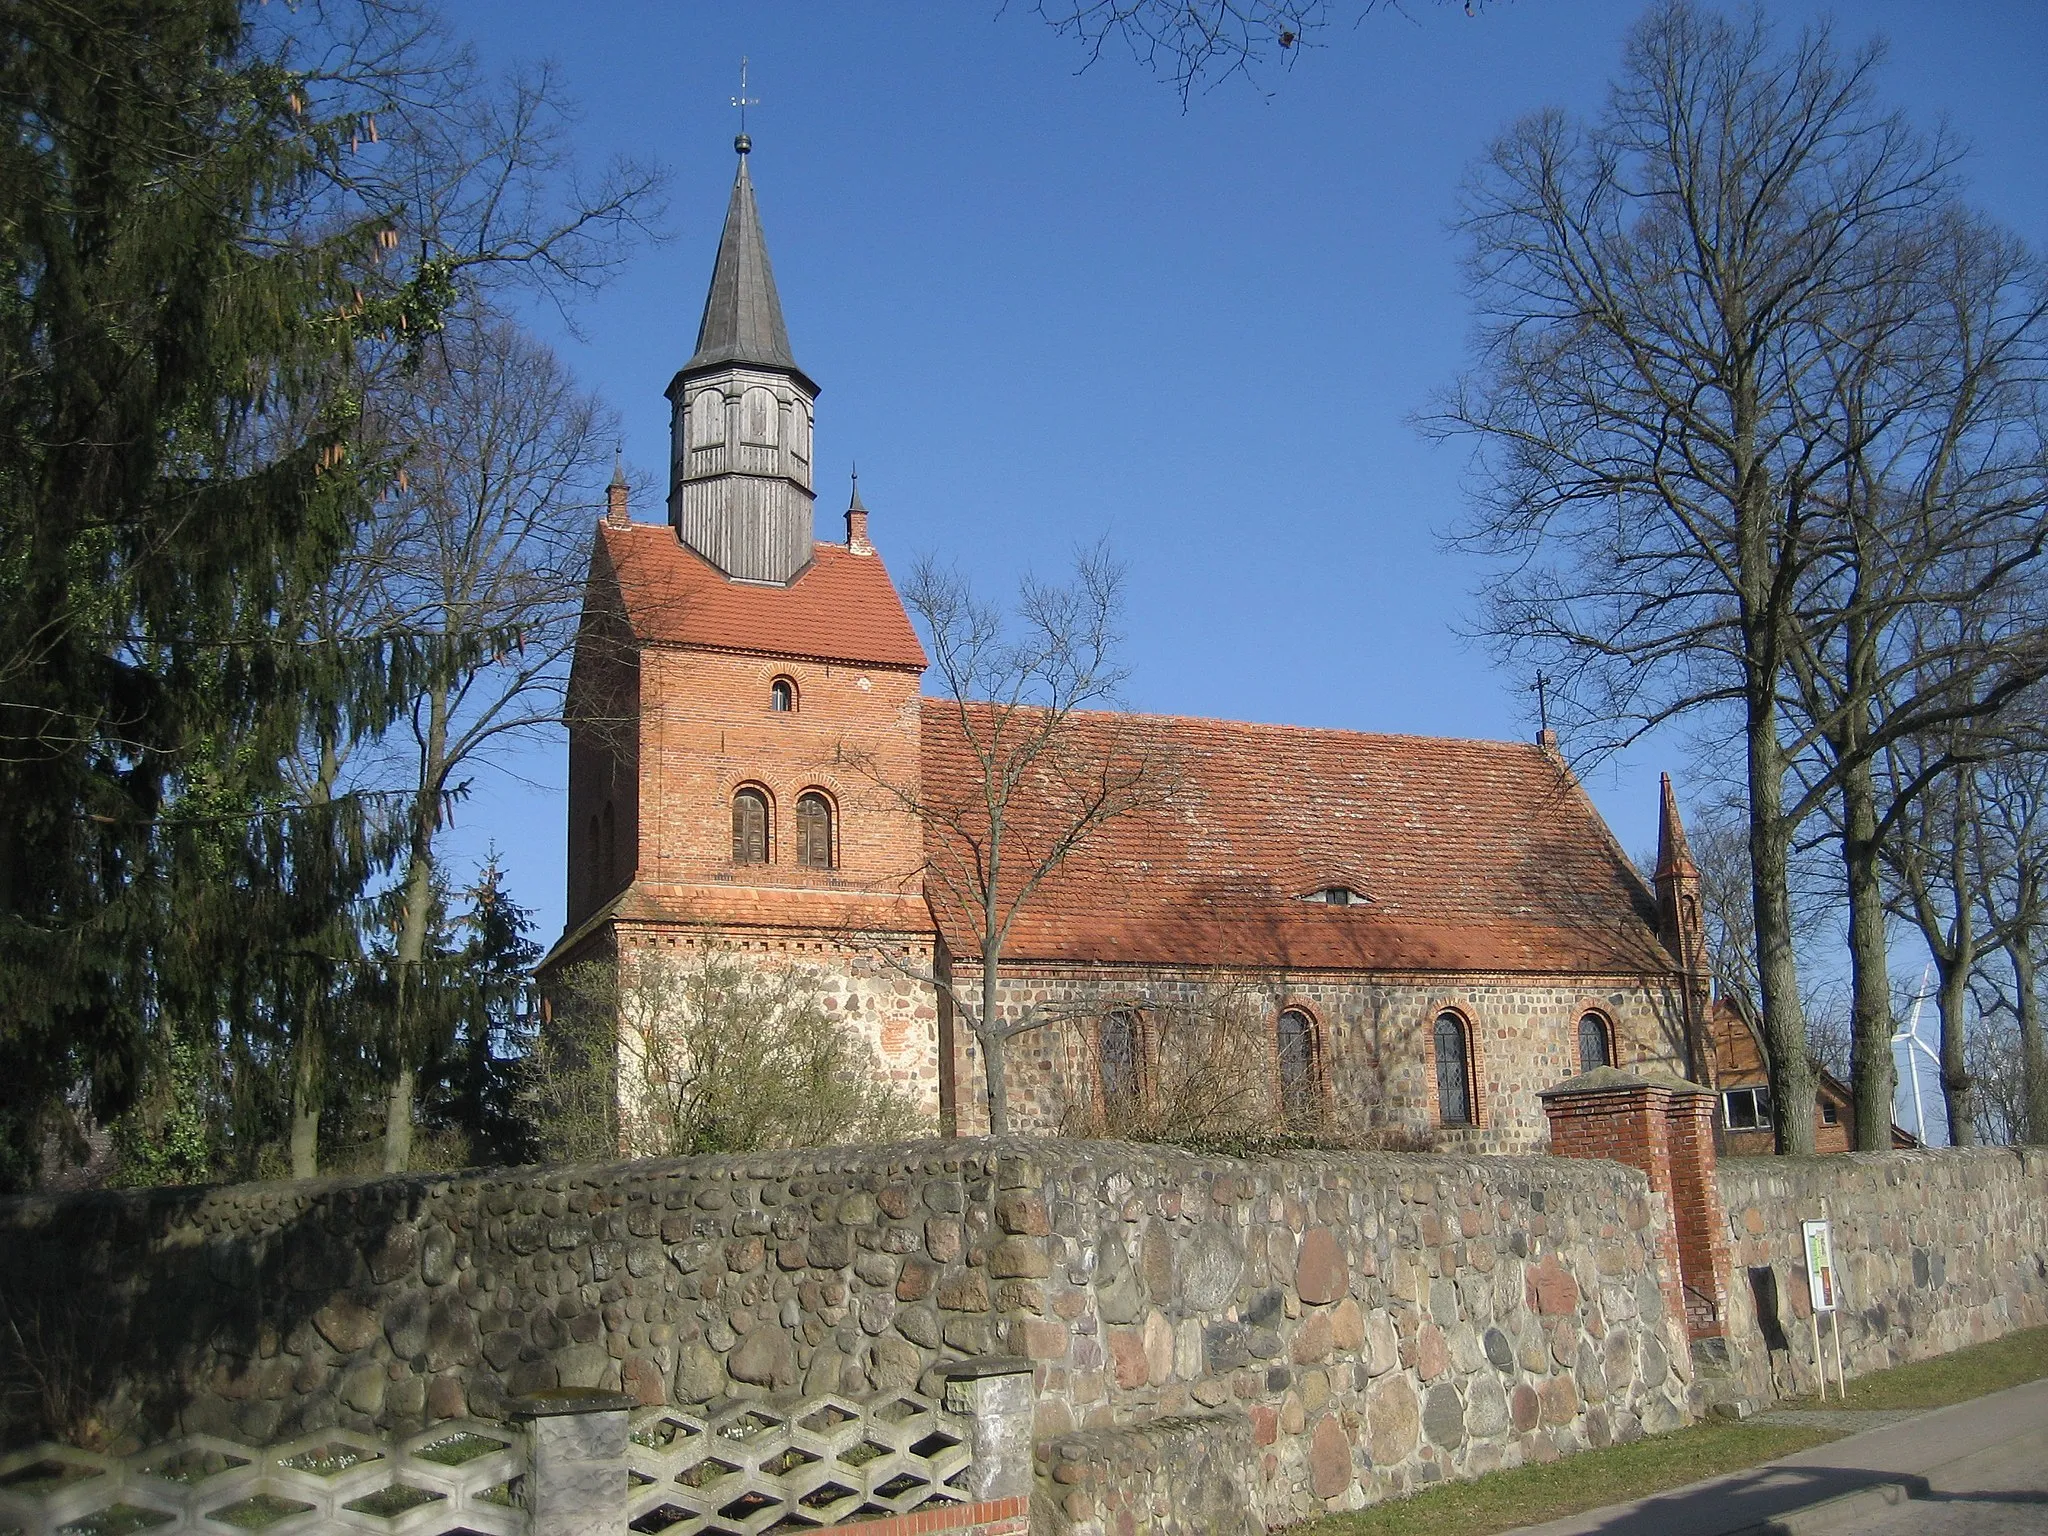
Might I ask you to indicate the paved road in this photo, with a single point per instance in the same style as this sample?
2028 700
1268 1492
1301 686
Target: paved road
1999 1492
1913 1447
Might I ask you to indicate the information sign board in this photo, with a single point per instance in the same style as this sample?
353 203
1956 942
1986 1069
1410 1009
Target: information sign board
1820 1265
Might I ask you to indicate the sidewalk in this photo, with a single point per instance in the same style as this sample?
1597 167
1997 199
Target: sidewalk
1908 1451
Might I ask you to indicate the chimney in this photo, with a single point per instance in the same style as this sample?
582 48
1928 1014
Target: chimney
857 523
1547 738
615 509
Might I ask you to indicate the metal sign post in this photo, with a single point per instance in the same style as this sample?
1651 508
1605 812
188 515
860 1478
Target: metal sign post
1824 1292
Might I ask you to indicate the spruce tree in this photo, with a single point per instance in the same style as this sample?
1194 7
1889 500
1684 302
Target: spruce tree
179 470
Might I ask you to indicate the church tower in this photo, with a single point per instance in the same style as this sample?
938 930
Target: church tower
740 424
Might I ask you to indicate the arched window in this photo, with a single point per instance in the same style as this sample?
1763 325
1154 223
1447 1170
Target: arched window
1297 1043
782 696
1453 1071
593 863
813 830
750 827
1594 1050
707 419
759 417
1120 1058
610 856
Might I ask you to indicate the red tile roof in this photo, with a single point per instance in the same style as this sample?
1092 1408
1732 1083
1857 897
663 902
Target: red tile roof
1473 854
842 607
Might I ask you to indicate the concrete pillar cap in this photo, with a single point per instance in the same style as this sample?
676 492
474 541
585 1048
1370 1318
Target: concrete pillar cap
1615 1080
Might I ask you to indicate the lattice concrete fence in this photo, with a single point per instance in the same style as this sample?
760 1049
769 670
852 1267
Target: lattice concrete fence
573 1464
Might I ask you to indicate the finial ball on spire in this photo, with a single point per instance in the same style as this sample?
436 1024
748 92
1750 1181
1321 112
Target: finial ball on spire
743 144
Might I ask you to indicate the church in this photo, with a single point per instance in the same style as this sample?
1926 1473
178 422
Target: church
1424 933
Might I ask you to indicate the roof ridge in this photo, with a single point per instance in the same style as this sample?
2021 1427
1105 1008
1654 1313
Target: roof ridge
1528 748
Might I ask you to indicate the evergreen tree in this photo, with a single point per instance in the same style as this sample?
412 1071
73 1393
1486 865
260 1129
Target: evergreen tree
497 1024
178 472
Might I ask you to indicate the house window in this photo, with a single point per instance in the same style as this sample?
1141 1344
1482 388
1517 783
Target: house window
1453 1071
1829 1115
1119 1059
1593 1048
813 831
782 696
1297 1044
1746 1109
750 827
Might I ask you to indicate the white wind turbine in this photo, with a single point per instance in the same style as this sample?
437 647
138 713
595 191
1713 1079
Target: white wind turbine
1910 1039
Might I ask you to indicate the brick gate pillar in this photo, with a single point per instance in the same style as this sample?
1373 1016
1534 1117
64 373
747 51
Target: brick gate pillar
1663 1126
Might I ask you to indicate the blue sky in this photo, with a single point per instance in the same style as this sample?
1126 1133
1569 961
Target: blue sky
1046 304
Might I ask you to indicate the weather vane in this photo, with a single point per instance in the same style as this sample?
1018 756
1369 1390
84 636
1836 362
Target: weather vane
744 101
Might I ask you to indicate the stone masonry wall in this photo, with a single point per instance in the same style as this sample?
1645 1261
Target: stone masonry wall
1366 1322
1383 1321
1375 1035
876 994
1933 1250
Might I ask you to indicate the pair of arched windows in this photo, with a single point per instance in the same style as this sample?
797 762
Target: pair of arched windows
1121 1061
753 830
1451 1044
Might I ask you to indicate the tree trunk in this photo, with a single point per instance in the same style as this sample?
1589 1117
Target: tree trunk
305 1145
1777 968
1958 1092
398 1122
992 1050
1871 1070
2033 1061
306 1064
412 934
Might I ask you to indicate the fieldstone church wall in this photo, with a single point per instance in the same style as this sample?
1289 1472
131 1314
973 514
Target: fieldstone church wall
1374 1039
1933 1249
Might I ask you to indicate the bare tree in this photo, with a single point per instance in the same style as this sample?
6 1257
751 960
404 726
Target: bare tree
1943 872
2013 832
504 458
1201 43
1922 614
1045 764
1659 439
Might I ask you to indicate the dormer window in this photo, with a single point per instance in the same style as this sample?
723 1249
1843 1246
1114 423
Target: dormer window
1337 896
782 696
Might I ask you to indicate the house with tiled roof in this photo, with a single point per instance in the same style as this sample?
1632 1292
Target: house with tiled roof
1431 931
